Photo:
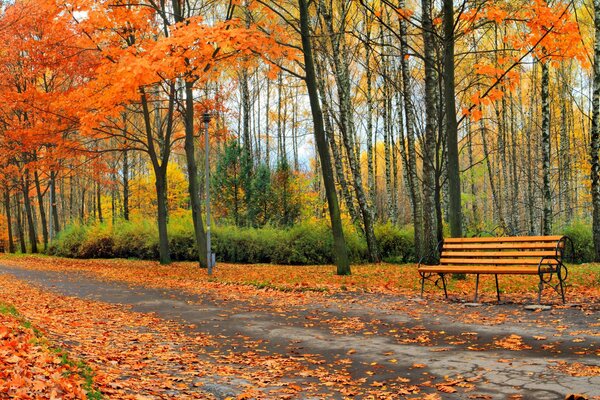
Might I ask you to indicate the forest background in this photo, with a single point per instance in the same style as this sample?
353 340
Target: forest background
340 130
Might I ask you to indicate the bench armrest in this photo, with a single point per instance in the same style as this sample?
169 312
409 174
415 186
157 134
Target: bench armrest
435 255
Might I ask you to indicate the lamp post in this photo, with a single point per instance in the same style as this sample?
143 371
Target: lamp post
209 259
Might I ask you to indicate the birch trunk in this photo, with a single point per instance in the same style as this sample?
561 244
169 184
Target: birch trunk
348 129
429 142
595 135
411 166
546 192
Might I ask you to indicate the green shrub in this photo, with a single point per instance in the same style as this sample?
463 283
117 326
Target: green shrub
69 241
98 243
304 244
583 243
307 243
245 245
137 239
182 241
395 244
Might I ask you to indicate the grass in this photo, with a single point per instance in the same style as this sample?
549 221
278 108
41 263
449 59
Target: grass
83 369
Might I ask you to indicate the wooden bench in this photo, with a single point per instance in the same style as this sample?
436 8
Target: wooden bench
511 255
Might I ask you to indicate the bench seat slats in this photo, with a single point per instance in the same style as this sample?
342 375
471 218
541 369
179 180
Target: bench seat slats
497 261
485 269
506 239
511 255
525 253
500 246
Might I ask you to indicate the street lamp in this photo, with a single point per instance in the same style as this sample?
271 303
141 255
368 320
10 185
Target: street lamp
210 260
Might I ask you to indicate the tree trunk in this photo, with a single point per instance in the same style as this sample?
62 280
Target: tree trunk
337 157
595 136
193 184
20 227
369 116
547 194
349 132
340 250
413 179
565 153
29 214
453 167
161 198
54 203
11 243
40 198
99 202
126 185
429 142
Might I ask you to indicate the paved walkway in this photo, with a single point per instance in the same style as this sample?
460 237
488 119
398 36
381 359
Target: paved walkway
363 345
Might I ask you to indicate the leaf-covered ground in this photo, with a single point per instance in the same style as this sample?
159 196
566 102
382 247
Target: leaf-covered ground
30 368
154 332
583 283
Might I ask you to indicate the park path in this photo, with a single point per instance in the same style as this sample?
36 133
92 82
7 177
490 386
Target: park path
149 343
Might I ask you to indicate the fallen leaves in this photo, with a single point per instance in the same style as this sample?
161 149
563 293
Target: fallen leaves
512 342
28 369
305 280
577 369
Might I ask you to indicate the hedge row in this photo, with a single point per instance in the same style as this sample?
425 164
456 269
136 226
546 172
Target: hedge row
308 243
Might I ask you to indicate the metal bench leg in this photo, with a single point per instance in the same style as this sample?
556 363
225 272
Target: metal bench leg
444 284
497 288
541 287
476 288
561 281
422 285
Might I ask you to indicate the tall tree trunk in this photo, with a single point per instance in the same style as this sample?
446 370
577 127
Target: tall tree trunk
54 203
493 187
161 198
340 250
547 194
387 151
29 214
369 95
11 242
349 132
40 198
160 162
337 157
565 153
413 179
126 185
429 142
474 208
99 202
20 227
267 130
595 136
453 167
193 184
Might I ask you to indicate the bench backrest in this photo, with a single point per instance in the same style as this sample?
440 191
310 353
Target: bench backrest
502 251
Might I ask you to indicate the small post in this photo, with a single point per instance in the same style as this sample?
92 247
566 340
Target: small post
209 259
